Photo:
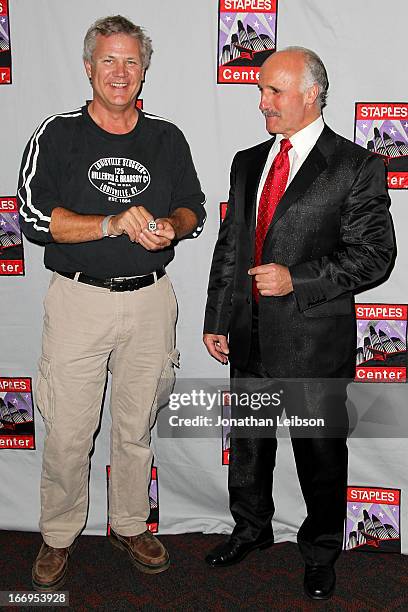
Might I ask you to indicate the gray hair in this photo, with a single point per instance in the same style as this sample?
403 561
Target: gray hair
116 24
315 72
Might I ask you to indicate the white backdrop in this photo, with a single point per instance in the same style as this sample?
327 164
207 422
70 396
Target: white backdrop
362 44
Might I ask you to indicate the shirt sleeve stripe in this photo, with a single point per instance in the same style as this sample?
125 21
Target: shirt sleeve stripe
200 228
29 172
149 116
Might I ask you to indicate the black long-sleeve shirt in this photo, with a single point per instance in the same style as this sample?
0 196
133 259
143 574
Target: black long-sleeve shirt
71 162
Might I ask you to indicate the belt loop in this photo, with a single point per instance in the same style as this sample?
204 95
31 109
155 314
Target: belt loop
76 276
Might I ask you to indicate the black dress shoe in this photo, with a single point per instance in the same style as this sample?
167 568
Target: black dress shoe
320 581
234 551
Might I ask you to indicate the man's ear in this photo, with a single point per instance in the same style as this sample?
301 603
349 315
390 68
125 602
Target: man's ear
312 93
88 68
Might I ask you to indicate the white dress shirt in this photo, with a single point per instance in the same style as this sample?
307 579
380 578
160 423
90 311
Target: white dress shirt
302 143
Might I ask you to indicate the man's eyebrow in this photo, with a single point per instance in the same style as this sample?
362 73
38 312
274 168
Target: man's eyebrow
271 87
109 56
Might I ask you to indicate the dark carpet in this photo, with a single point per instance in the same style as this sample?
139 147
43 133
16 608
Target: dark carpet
102 578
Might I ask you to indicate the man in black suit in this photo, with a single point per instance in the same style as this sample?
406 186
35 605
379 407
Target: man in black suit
307 225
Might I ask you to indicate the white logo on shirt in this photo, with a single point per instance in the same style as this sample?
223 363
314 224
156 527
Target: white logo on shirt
119 177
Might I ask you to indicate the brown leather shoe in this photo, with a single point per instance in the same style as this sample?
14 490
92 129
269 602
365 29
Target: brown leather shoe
146 552
50 567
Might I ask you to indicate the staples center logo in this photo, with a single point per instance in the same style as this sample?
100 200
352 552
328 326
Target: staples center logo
246 37
382 128
119 177
11 246
5 51
381 354
373 519
16 414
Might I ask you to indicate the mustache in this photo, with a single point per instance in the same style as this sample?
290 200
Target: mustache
269 113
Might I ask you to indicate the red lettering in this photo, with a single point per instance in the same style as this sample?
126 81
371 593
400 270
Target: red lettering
383 374
11 267
238 74
394 312
4 75
248 6
373 495
381 111
8 204
15 384
17 442
397 180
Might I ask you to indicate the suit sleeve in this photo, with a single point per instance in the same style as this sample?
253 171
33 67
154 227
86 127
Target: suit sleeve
220 285
38 192
366 244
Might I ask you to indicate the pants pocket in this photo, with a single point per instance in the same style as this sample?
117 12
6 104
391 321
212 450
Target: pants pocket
166 383
43 391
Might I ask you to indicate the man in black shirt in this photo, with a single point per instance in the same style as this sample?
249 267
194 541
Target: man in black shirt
107 189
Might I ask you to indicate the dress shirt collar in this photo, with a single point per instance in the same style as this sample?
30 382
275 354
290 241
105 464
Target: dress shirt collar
305 139
302 143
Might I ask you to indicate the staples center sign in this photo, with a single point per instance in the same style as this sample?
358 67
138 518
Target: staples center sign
5 50
246 37
382 128
381 353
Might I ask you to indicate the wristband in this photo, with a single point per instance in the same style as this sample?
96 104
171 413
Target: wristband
105 224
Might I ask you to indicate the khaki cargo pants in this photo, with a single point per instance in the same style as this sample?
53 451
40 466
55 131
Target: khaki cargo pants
88 330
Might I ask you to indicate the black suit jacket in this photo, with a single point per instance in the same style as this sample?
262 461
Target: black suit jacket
332 229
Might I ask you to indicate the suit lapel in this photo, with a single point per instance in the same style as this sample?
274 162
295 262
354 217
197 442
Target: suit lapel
313 165
254 167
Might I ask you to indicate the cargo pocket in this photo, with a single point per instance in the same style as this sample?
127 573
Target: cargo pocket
43 393
166 383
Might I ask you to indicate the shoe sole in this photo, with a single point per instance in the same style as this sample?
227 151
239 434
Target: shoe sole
49 588
142 567
263 546
57 584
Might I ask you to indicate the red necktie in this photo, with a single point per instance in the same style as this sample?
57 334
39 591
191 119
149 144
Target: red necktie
272 192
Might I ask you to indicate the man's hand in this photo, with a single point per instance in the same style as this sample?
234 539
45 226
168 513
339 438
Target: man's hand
217 346
134 223
160 238
70 227
131 222
272 279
